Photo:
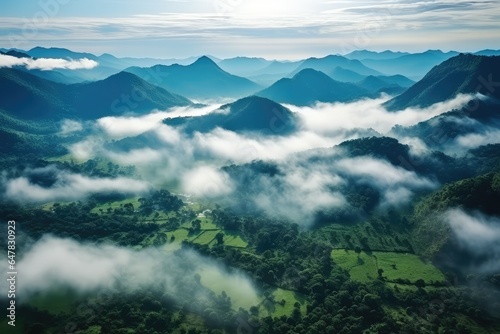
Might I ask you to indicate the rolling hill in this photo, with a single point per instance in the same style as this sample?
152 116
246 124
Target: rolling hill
414 66
465 73
310 86
250 114
27 96
203 79
329 63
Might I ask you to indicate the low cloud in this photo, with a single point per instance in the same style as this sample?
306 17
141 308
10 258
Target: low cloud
52 184
47 64
69 126
479 235
53 263
206 181
473 140
164 154
396 185
369 113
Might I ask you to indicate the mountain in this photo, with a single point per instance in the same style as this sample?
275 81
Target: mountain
341 74
40 52
243 66
378 85
393 85
121 93
488 52
15 53
274 71
329 63
310 86
464 73
104 69
414 66
203 79
365 54
27 96
250 114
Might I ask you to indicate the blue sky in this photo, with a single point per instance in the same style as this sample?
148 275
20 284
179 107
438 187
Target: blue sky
282 29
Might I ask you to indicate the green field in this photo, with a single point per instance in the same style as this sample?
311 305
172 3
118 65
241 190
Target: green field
116 205
239 289
55 302
407 266
206 237
364 267
290 298
232 239
361 267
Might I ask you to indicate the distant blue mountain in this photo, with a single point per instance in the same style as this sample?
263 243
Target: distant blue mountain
413 66
201 80
329 63
341 74
310 86
243 66
365 54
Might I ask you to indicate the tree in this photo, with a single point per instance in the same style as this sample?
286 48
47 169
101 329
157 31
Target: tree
357 250
196 224
420 283
220 238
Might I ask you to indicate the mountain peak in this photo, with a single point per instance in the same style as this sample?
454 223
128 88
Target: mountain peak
204 60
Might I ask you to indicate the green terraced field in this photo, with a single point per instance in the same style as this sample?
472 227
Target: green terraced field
364 267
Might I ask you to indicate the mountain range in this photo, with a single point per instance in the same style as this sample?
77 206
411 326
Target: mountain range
30 97
309 86
203 79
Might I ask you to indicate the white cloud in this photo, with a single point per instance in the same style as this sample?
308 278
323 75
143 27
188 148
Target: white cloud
69 126
473 140
369 113
46 64
479 234
52 263
66 186
206 181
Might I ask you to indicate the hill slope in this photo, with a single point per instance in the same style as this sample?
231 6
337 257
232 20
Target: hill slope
250 114
464 73
27 96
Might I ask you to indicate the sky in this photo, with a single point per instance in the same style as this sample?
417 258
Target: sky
274 29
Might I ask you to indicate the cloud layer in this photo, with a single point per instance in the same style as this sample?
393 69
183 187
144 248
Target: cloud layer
55 263
278 29
47 64
479 235
41 185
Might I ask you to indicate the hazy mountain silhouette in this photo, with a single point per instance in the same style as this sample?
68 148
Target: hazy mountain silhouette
329 63
414 66
243 65
201 80
310 86
365 54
